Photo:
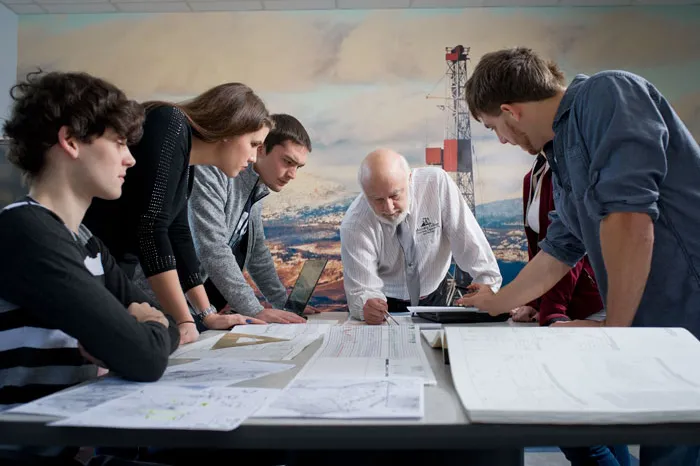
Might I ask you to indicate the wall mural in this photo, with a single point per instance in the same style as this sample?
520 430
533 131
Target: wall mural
359 80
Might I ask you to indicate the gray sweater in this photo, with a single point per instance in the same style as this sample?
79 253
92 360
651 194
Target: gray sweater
216 205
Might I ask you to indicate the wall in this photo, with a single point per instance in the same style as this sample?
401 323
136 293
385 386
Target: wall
8 57
358 80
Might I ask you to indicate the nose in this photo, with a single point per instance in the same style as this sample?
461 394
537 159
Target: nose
253 156
129 160
388 206
502 139
292 173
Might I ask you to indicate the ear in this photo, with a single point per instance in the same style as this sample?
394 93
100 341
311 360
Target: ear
68 143
513 110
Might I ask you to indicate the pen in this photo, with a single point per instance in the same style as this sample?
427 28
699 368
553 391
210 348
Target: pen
388 316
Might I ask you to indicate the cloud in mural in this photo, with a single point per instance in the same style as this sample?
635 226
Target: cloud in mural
295 52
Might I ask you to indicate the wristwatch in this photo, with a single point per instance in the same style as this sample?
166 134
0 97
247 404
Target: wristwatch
199 316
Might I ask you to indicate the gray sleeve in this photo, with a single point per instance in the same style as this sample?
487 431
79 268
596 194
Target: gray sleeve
260 264
208 223
560 243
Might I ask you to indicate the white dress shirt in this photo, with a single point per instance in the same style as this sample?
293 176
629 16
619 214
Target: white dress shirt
533 207
443 225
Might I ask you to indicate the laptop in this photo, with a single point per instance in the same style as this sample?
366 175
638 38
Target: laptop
305 285
457 315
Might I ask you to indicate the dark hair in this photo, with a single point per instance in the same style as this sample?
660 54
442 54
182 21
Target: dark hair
511 76
224 111
287 128
87 105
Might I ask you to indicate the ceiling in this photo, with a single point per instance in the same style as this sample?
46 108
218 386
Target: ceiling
28 7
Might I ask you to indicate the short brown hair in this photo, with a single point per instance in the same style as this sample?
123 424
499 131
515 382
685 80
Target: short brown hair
511 76
224 111
287 128
44 103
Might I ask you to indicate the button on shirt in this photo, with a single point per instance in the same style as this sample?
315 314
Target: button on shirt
620 147
443 226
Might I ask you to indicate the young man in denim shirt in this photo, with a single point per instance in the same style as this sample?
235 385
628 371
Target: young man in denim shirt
626 192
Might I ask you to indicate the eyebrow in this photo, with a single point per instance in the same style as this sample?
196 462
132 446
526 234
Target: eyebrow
296 162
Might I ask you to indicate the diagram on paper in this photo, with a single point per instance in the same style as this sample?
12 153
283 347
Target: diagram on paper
173 407
78 400
219 372
321 398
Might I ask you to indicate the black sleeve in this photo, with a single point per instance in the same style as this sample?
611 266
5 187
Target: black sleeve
127 293
185 253
162 157
43 271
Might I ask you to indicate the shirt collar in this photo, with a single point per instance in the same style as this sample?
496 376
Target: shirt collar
568 98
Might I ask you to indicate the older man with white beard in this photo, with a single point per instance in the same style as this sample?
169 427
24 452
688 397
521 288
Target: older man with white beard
398 238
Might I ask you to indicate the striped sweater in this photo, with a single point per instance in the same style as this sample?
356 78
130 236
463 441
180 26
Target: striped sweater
59 291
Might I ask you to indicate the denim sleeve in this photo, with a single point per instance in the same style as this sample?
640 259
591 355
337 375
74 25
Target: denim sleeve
560 243
626 138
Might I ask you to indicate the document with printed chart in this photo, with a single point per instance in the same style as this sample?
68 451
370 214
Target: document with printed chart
349 399
174 407
357 351
576 375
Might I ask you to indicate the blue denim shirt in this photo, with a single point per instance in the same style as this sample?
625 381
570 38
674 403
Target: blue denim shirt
620 147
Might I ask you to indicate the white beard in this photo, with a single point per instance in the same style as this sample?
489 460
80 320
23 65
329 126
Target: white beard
393 222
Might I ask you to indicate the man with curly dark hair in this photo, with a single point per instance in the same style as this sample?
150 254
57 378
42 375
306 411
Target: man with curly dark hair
66 308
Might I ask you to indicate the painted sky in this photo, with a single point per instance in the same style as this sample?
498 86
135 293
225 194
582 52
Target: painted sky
358 79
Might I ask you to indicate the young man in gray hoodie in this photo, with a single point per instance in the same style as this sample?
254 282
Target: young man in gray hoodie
225 217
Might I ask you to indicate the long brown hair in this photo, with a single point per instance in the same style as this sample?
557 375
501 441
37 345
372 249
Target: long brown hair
224 111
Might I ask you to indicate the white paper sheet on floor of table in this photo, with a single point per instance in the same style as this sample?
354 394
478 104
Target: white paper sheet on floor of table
203 373
349 399
352 352
175 407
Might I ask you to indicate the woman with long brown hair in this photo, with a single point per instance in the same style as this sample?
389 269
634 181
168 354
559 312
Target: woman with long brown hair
147 229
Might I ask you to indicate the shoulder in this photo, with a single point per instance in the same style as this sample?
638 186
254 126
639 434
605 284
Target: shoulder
24 227
359 213
166 122
611 86
428 174
209 174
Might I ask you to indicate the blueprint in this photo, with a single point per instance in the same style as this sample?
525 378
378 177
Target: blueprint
219 372
348 399
174 407
74 401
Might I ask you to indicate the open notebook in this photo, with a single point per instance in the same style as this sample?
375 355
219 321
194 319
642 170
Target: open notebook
554 375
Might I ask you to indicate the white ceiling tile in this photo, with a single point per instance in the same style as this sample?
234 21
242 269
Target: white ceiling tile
299 4
26 9
224 6
372 4
520 3
594 2
72 2
666 2
153 7
70 8
446 3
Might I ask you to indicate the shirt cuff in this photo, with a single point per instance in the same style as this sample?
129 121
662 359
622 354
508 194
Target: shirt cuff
561 254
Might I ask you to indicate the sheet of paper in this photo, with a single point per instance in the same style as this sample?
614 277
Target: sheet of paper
77 400
561 339
277 351
219 372
203 344
575 376
174 407
369 351
349 399
433 337
287 331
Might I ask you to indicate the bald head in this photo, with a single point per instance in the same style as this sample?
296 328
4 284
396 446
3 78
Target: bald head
384 177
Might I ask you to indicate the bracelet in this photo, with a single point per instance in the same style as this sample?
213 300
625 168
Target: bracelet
186 322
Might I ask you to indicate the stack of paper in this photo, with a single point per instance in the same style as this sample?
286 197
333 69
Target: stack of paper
356 352
576 375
